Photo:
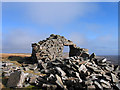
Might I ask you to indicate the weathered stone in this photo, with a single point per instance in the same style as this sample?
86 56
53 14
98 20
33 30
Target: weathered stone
51 78
49 86
77 74
117 86
52 47
91 87
107 77
89 82
61 71
42 80
85 55
16 79
98 85
82 68
92 55
105 84
59 82
92 67
26 84
50 70
7 74
33 67
116 68
44 65
6 70
7 64
103 60
26 68
114 78
33 80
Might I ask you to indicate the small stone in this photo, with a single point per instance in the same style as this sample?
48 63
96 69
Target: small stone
98 85
59 82
51 78
33 67
6 74
6 70
26 84
44 65
8 64
91 87
42 80
85 55
26 68
49 86
61 71
105 84
92 55
77 74
116 68
117 86
107 77
114 78
82 68
88 82
92 68
33 80
103 60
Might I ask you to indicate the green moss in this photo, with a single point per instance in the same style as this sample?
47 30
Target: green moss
33 87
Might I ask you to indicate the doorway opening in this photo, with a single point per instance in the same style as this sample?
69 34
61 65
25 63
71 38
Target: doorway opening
66 50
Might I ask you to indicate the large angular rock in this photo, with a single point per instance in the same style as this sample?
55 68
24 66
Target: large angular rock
114 78
60 83
16 79
61 71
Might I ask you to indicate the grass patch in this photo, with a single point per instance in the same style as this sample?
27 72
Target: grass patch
16 63
33 87
16 58
30 71
20 59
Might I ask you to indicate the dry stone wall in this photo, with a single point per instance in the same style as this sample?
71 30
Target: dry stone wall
52 48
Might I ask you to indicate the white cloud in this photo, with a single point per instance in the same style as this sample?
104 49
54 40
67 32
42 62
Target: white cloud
20 40
56 14
104 44
78 39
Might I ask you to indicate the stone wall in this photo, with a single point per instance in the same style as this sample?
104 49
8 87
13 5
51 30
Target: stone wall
52 48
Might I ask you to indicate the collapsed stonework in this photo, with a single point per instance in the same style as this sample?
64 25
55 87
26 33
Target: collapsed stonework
79 71
52 48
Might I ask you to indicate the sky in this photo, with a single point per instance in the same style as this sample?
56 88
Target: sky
91 25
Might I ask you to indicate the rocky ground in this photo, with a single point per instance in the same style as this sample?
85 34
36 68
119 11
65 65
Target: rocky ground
69 73
47 69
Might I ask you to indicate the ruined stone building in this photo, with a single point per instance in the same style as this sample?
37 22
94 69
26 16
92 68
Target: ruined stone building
52 48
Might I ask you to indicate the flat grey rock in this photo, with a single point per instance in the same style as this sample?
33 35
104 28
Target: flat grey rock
16 79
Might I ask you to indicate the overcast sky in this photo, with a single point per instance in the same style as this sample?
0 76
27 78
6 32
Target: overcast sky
89 25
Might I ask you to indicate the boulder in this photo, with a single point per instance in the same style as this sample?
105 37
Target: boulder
16 79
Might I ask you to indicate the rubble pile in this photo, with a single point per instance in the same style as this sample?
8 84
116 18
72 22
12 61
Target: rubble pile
78 71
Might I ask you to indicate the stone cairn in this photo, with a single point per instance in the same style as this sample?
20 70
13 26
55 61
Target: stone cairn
78 71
